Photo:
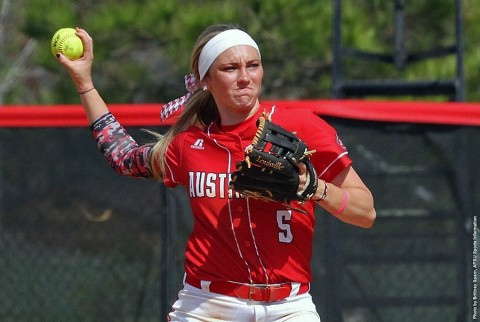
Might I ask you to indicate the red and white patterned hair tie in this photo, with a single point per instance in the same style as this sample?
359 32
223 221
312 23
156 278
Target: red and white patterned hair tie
192 85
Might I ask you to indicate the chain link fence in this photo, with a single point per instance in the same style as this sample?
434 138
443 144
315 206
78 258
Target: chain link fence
81 243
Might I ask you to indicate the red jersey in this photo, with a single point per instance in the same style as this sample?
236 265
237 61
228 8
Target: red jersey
241 239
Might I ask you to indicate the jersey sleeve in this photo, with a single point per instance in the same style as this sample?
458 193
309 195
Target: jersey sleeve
122 152
173 162
331 156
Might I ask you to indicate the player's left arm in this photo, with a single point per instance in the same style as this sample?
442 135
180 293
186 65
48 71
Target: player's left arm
348 199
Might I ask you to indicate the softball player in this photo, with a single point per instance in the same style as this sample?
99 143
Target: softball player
246 259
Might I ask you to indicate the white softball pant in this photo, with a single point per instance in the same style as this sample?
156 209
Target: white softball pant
195 305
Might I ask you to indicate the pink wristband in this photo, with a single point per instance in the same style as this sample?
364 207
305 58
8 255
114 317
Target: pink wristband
344 203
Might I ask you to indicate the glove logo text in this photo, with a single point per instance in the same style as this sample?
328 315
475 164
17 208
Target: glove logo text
269 164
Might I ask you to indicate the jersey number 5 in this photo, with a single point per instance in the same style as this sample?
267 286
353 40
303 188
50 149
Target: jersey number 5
283 221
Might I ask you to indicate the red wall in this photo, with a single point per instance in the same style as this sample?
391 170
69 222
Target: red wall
449 113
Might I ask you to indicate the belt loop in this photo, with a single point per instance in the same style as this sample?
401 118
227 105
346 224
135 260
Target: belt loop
295 289
205 285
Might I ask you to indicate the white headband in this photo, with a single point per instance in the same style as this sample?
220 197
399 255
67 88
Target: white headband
218 44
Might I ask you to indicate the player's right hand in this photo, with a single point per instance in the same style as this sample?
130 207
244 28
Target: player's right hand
80 70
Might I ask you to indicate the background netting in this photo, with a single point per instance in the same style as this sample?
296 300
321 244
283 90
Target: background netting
81 243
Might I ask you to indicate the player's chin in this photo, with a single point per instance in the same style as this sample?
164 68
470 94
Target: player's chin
247 107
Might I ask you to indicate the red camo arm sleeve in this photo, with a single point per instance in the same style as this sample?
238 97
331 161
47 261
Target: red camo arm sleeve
122 152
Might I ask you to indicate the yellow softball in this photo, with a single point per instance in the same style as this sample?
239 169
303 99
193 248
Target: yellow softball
66 42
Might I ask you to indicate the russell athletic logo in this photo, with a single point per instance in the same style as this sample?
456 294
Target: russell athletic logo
198 145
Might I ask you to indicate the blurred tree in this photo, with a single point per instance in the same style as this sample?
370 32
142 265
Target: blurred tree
142 47
15 52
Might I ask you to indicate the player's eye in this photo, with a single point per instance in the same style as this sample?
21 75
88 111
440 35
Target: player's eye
254 64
